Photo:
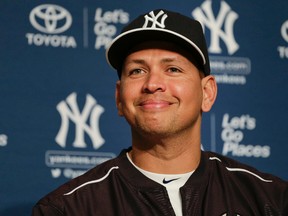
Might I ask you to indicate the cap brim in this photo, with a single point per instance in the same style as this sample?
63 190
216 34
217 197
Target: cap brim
122 44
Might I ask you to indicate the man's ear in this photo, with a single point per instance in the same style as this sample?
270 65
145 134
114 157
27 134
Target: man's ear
209 88
118 98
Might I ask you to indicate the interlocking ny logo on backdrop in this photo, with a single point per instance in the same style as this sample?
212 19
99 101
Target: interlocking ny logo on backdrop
228 69
69 110
154 19
51 19
70 164
225 19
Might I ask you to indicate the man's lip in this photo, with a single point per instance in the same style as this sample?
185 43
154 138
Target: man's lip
154 103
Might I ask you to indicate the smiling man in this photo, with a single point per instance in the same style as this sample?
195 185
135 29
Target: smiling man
162 95
163 89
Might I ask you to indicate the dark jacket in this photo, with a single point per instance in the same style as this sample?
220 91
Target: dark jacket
219 186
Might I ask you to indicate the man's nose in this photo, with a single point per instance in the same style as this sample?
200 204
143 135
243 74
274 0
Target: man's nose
155 82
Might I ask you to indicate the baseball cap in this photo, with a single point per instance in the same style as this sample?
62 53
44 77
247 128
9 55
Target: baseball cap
160 25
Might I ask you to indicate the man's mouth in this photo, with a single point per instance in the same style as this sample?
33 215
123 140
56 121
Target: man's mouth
154 104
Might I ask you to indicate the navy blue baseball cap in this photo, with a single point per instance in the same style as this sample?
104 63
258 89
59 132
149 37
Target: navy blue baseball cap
161 25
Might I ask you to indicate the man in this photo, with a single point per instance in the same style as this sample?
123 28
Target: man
164 87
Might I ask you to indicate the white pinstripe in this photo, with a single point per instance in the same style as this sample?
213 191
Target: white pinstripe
92 182
241 170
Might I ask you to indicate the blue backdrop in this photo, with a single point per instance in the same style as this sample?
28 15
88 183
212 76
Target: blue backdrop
57 110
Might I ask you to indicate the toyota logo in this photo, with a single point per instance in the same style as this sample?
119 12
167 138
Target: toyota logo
50 18
284 31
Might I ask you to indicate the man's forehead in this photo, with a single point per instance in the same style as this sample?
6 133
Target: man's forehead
154 54
174 49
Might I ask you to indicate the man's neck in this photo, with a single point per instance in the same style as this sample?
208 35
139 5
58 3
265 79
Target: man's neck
169 156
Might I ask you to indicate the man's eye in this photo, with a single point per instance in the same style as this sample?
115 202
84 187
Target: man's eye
174 70
135 72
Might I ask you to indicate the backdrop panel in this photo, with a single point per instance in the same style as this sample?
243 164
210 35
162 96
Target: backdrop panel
57 109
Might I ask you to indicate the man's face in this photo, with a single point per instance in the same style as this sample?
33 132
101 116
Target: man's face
160 91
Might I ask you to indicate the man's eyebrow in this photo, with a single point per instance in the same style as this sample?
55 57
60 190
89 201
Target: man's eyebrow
167 60
143 61
137 61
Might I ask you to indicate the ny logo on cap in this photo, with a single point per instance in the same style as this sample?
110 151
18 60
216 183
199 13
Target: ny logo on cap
154 20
